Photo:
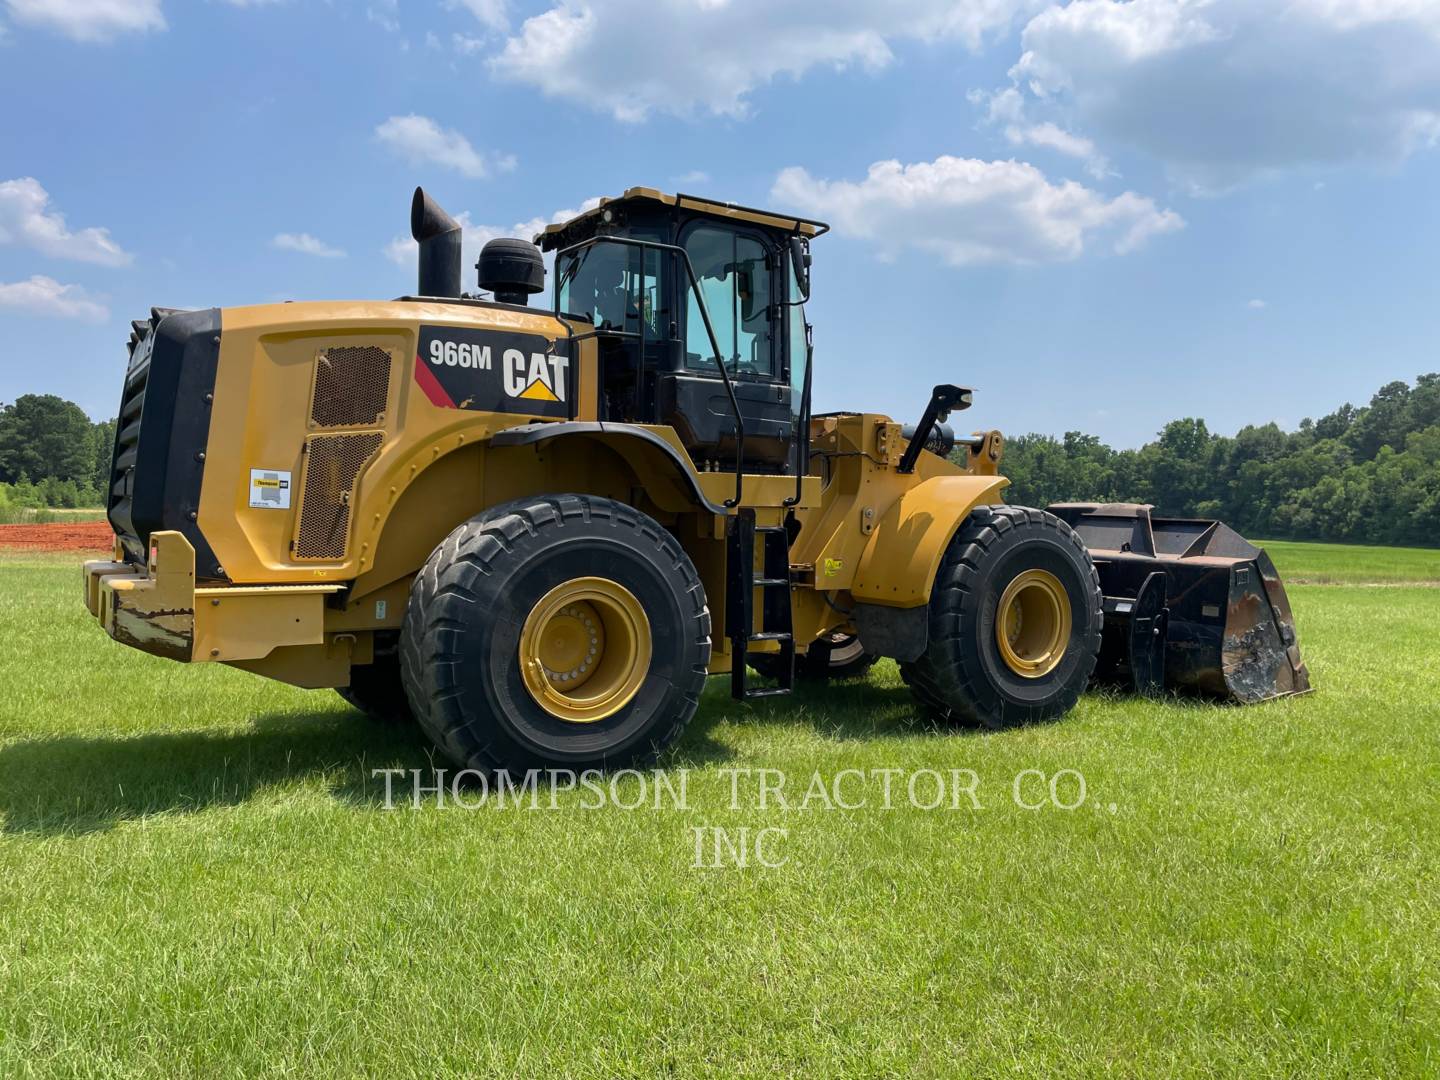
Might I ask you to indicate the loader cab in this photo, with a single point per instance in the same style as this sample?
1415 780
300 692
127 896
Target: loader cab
646 270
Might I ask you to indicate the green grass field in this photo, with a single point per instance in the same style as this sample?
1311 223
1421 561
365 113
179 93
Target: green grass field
198 878
1341 564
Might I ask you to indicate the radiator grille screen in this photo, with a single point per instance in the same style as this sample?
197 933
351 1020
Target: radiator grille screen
332 465
351 385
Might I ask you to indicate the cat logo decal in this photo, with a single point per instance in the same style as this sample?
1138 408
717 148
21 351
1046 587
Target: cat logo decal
493 371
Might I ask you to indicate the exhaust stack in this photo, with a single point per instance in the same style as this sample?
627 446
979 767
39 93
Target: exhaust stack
438 235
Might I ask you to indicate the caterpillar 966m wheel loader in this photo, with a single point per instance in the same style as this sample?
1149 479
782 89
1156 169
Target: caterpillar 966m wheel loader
538 530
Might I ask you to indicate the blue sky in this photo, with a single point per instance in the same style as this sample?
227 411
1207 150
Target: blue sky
1101 214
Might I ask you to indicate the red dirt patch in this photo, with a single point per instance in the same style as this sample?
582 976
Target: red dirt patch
94 536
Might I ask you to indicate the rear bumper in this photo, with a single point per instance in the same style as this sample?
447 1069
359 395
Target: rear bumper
151 608
157 608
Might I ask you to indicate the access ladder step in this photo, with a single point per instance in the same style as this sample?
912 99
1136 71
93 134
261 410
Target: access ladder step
766 691
775 621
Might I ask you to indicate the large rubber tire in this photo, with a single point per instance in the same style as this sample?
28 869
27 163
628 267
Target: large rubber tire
459 647
833 657
962 676
378 691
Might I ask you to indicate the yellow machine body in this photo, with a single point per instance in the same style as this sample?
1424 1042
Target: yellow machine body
337 401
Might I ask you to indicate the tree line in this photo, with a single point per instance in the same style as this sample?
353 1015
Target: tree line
1367 475
52 454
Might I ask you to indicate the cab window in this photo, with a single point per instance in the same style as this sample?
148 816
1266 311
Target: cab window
736 284
617 286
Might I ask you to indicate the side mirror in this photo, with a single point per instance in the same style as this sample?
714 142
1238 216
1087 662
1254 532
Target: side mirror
800 263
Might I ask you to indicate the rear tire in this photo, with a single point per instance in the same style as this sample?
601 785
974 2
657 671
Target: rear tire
473 613
973 673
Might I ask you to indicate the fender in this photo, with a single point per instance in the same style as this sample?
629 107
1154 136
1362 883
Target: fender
447 487
898 566
627 439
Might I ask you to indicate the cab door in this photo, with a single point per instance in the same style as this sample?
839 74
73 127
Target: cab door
742 285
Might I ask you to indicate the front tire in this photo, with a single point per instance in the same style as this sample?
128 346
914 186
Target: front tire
1014 624
559 631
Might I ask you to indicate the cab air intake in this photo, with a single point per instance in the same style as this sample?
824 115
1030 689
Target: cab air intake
511 269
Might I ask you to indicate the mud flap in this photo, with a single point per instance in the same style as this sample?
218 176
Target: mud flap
1189 605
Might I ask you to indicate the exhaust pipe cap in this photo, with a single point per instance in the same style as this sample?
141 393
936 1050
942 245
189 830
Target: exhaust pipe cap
439 236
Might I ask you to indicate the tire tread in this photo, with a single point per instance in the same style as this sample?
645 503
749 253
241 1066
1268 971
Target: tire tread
469 554
941 680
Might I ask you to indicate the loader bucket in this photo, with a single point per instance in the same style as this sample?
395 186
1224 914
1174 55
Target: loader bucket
1189 605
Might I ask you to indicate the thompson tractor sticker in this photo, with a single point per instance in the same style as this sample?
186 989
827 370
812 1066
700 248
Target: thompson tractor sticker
270 489
493 371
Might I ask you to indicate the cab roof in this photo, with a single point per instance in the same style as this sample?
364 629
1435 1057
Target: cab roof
549 238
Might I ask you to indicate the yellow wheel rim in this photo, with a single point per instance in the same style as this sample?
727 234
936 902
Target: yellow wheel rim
585 649
1032 623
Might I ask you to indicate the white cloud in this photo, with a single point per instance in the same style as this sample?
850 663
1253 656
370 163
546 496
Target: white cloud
1007 108
1056 138
632 57
491 14
385 14
25 219
532 228
306 244
47 297
401 249
694 176
1224 91
89 20
422 141
1257 305
968 211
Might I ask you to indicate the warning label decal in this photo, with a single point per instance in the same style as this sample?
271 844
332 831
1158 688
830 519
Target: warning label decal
493 371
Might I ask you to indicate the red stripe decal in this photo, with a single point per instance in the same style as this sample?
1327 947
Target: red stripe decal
431 385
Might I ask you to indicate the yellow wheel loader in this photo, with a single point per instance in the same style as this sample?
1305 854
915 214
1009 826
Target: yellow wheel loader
536 531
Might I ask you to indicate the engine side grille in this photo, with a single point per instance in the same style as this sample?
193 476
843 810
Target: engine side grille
352 383
333 463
